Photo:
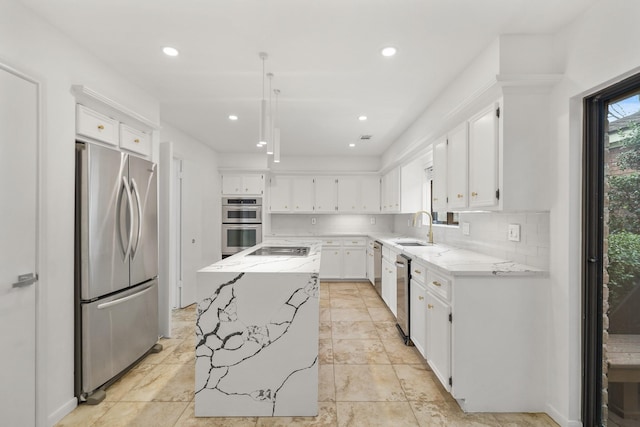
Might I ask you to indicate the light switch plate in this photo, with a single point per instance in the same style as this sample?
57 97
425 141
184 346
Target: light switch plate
514 232
465 228
373 220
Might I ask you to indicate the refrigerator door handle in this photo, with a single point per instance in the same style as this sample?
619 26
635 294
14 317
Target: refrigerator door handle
125 299
125 186
135 191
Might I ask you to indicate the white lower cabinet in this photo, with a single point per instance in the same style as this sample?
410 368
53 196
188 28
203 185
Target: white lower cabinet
438 343
371 275
483 337
418 316
331 262
354 266
343 258
389 285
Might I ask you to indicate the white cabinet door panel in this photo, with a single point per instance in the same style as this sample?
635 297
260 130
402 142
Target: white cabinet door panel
302 194
331 263
457 168
439 191
326 196
418 316
483 158
438 344
280 194
354 266
370 194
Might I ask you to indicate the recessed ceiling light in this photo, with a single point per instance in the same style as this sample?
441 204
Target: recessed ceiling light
389 51
362 118
233 117
170 51
352 145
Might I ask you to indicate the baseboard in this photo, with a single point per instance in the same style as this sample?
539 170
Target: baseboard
61 412
560 419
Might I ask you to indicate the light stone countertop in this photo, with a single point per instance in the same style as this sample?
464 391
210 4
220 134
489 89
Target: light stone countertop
242 262
443 258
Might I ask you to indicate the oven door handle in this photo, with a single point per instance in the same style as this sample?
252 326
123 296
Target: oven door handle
234 226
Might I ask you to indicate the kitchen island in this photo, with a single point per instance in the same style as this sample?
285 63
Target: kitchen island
257 333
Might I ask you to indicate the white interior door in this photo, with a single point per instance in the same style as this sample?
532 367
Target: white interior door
191 239
18 220
177 229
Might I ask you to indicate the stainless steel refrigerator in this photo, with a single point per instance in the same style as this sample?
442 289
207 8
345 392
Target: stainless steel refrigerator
116 265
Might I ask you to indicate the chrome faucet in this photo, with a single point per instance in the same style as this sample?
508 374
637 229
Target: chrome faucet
415 221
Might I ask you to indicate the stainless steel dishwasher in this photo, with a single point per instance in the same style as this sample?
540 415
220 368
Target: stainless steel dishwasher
403 275
377 267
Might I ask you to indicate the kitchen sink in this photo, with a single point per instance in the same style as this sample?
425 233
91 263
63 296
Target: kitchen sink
281 251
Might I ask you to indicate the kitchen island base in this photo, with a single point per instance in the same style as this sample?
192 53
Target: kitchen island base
257 344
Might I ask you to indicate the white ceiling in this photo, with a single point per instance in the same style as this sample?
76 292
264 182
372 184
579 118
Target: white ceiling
324 55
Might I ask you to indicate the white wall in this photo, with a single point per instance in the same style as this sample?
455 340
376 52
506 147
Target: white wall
30 45
201 215
599 49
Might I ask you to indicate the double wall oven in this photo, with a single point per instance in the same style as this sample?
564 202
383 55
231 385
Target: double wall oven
241 224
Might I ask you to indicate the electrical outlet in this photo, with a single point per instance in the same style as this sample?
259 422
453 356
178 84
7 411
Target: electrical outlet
465 228
373 220
514 232
313 221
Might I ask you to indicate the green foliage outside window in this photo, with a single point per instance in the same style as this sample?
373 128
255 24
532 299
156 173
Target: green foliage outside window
624 220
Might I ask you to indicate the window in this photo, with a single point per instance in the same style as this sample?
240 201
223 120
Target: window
449 218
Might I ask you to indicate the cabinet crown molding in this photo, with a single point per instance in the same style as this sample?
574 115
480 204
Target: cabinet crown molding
96 101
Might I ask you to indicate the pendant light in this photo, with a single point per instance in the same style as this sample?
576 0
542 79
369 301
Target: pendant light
263 107
270 120
276 131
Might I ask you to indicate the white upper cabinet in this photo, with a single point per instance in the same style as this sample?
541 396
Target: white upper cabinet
95 125
280 193
370 194
135 140
235 184
412 177
391 191
483 158
326 199
439 180
302 194
457 167
349 194
359 194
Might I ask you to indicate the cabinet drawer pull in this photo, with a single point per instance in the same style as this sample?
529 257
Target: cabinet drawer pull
101 127
437 283
474 194
420 297
348 253
417 271
435 199
429 306
460 196
136 140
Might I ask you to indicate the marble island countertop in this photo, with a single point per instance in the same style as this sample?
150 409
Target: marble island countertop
242 262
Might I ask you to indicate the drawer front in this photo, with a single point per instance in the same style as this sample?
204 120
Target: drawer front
418 273
95 125
135 140
440 285
355 241
331 242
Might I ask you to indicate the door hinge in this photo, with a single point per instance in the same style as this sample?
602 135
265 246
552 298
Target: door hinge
498 112
450 317
447 200
498 194
269 181
451 381
180 284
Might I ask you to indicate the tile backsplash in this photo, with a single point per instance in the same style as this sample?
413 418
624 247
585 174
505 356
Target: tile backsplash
327 224
488 234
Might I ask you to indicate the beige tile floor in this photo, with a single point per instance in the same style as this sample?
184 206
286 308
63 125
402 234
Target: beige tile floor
368 377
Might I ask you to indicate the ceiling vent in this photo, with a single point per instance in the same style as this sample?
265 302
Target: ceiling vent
365 137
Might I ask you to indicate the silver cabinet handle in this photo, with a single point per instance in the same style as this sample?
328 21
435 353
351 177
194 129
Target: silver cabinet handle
25 280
